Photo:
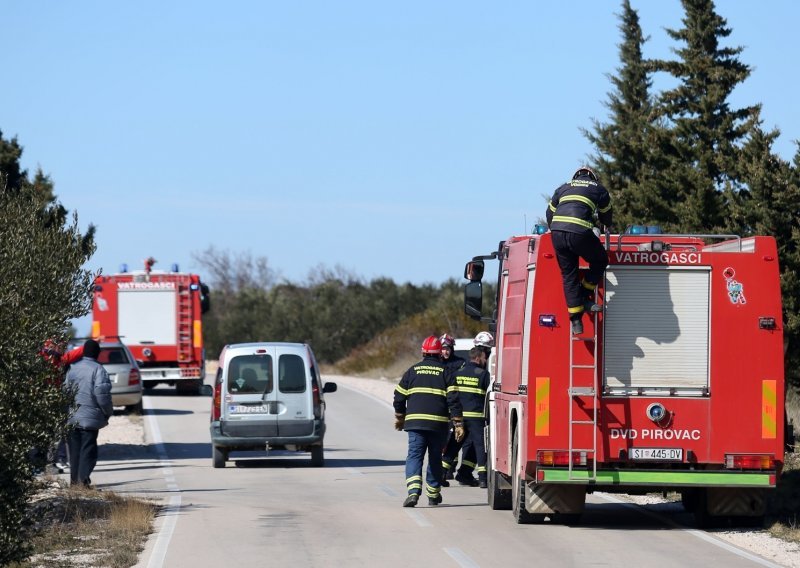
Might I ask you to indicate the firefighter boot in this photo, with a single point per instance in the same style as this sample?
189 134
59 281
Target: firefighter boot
482 481
466 479
411 500
434 501
577 326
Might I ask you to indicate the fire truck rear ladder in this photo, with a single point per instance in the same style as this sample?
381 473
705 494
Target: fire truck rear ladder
184 323
583 391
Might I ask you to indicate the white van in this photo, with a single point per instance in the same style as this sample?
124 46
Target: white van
268 396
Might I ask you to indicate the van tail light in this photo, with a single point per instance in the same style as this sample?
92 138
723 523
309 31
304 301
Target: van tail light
749 461
216 404
560 457
317 401
133 376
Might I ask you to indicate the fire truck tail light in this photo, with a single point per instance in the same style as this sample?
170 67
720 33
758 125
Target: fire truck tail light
749 461
560 457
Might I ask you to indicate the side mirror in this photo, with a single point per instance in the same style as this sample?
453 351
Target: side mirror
473 299
329 387
207 390
473 271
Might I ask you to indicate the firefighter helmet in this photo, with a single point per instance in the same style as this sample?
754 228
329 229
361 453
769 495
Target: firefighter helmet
432 346
447 340
484 339
585 171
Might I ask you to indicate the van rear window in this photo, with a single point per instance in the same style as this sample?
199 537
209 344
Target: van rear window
250 374
291 374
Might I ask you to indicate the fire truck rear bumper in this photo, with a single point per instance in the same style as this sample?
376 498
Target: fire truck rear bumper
659 478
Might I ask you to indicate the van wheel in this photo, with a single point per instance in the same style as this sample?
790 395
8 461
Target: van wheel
218 457
317 456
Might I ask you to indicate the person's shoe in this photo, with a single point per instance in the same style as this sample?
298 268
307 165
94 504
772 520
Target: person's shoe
577 326
411 501
61 467
467 480
434 501
445 483
449 474
482 484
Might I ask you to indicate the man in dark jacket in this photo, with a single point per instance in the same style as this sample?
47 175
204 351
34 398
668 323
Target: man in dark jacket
570 217
89 382
472 382
424 401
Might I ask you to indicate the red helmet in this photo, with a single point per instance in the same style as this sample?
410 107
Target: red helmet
447 340
432 346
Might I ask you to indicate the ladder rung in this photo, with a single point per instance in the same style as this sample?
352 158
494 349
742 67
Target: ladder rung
584 422
589 338
581 391
584 366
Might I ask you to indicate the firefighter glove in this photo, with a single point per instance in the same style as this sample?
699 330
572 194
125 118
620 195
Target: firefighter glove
399 421
458 429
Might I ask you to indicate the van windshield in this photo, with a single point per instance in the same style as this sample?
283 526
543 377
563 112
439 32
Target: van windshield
250 374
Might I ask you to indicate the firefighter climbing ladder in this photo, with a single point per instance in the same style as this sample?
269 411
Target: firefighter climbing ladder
580 390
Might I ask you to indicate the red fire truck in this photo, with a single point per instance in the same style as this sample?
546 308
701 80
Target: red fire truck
157 315
676 385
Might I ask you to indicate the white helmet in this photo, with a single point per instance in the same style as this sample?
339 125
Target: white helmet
484 339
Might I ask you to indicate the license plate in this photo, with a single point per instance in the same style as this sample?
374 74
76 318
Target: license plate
248 409
113 378
659 454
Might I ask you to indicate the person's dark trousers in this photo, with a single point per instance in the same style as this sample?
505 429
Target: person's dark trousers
569 248
421 442
61 452
82 455
450 454
475 447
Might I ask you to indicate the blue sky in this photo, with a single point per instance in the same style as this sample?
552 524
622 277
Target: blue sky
393 139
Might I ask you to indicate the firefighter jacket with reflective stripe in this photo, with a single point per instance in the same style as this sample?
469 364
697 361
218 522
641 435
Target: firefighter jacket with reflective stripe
472 383
427 396
575 203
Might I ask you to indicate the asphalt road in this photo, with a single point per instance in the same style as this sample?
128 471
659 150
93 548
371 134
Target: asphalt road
279 511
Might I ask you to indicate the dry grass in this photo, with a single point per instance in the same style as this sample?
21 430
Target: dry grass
84 527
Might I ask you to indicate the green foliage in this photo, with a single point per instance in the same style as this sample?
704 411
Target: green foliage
42 287
686 160
402 341
334 311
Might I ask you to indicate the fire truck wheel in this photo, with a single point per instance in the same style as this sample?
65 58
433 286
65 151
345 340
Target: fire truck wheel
518 488
218 457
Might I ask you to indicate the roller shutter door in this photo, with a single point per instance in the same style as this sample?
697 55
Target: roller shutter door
656 329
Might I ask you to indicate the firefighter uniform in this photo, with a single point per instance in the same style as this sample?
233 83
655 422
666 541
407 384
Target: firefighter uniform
472 382
427 396
570 217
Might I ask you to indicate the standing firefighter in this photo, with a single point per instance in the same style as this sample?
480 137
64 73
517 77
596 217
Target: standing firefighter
570 217
424 401
472 382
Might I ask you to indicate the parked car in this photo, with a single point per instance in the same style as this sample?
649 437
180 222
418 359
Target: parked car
268 396
123 372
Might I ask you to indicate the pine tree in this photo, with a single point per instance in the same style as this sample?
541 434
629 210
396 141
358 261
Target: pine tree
706 133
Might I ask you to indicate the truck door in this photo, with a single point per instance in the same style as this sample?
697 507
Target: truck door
251 407
294 397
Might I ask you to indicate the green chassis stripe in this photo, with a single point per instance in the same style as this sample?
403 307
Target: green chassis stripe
702 478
